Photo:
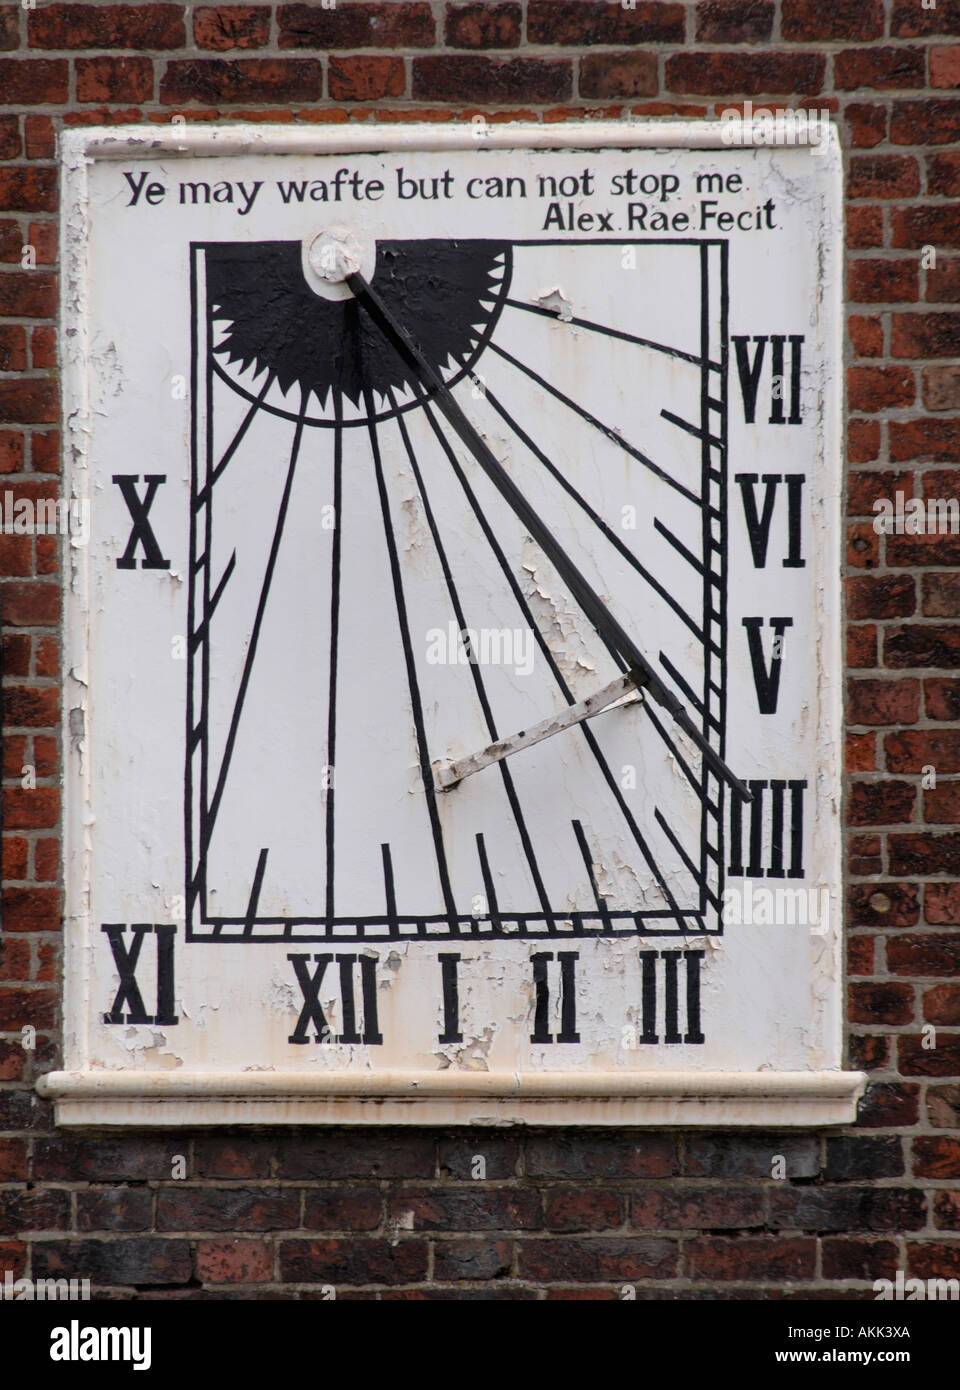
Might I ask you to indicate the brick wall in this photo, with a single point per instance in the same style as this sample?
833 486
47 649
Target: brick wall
558 1214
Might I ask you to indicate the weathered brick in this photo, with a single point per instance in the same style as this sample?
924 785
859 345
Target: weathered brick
879 388
342 1209
882 68
33 81
227 1209
234 80
887 1104
859 1259
561 1155
26 188
365 78
857 1156
750 1258
942 1005
750 1155
137 1261
353 1261
234 1261
865 124
114 79
928 121
141 26
223 27
936 954
750 74
936 1156
909 20
696 1208
607 76
129 1157
845 19
943 174
575 22
472 1259
883 701
120 1209
483 25
601 1259
943 1106
465 1208
934 1260
471 77
459 1154
880 1002
357 25
916 227
871 282
572 1209
368 1154
941 595
734 21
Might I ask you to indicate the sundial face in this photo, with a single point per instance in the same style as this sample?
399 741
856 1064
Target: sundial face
337 819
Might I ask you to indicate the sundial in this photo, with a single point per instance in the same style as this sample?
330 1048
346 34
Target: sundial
454 686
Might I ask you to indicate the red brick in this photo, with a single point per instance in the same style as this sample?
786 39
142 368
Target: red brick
603 1259
129 1209
182 1208
9 26
30 909
860 753
916 227
15 854
881 68
889 1105
911 20
223 27
915 644
926 335
883 904
866 487
136 1157
26 708
862 646
925 955
483 26
863 857
859 1259
366 78
946 1210
470 1207
28 189
46 858
234 1261
937 1156
870 389
943 1106
749 74
11 451
943 282
882 596
880 803
40 139
945 65
604 76
941 595
29 295
45 451
601 1156
472 1259
863 440
138 1261
43 348
868 1051
233 80
15 960
469 77
575 22
941 388
864 228
845 19
931 121
937 441
860 950
114 79
19 1007
750 1257
13 1256
886 1002
882 176
140 26
866 338
357 25
42 236
934 1260
13 1161
941 699
943 174
914 748
10 145
734 21
33 81
883 281
342 1209
570 1209
942 1005
852 1156
353 1261
695 1208
31 400
13 347
866 124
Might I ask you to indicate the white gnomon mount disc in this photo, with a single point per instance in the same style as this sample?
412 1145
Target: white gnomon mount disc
332 254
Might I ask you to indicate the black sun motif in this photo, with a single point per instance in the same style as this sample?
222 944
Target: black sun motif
450 293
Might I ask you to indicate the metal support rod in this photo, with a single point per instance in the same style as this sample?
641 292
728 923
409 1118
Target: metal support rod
448 774
641 672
